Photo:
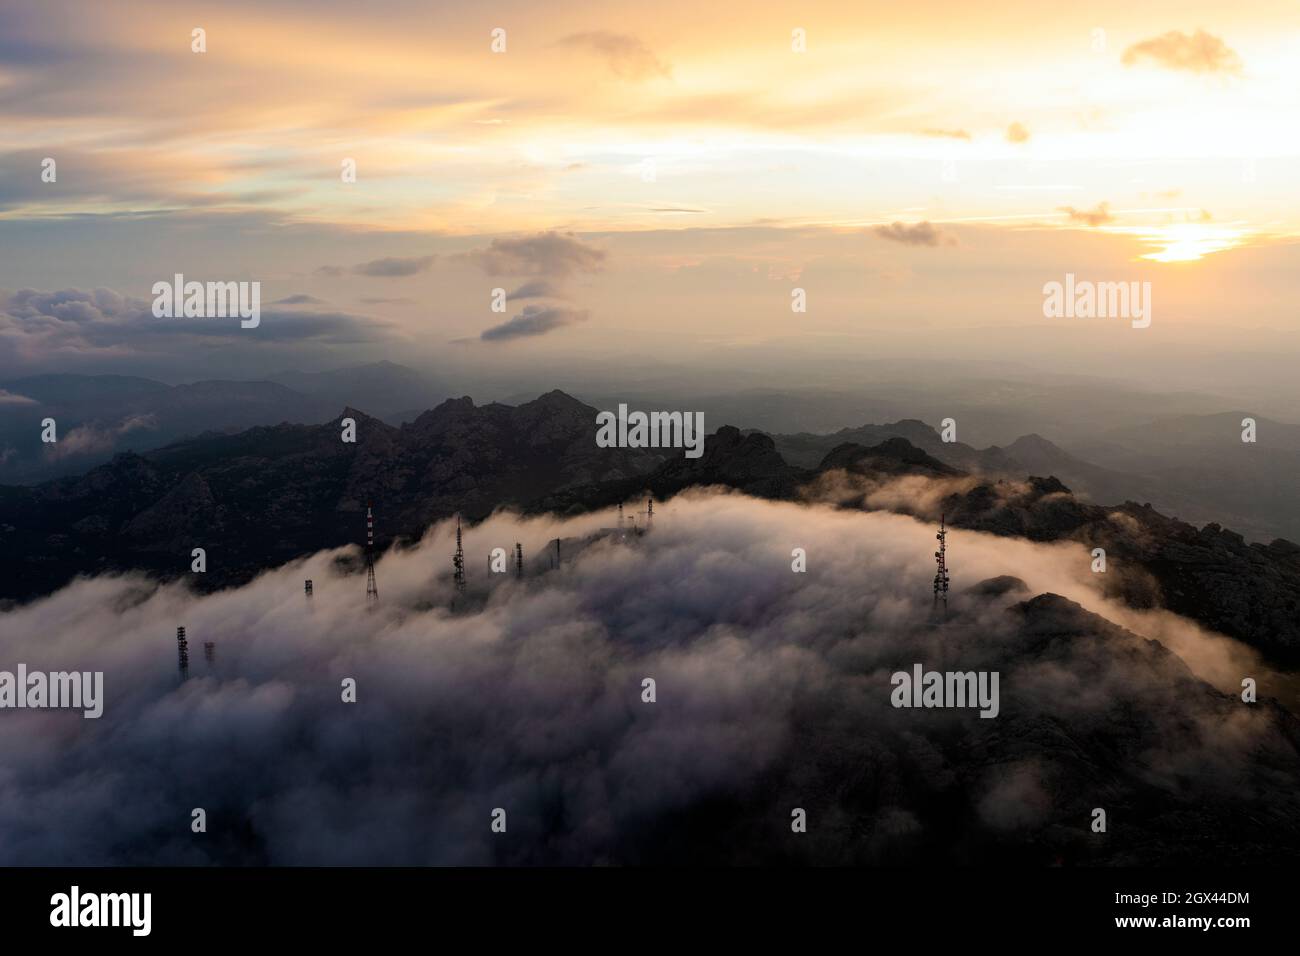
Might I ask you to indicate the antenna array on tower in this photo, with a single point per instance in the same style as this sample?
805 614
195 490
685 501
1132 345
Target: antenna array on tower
458 561
372 589
941 560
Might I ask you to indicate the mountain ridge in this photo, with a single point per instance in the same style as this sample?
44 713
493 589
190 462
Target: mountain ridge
273 493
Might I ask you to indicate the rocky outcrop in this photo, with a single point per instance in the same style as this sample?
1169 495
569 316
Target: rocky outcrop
269 494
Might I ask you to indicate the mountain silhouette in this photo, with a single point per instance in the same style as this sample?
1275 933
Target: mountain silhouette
261 497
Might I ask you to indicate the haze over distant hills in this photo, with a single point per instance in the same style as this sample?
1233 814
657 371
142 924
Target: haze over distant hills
384 389
100 415
1179 451
1195 467
1107 440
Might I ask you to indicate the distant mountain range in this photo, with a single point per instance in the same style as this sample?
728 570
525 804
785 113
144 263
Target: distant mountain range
266 495
386 390
98 416
1198 466
1190 465
1193 466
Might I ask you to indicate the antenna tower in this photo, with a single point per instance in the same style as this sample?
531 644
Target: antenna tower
458 561
182 653
372 590
941 561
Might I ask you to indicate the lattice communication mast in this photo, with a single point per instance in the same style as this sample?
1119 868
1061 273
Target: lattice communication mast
941 560
372 589
182 653
458 561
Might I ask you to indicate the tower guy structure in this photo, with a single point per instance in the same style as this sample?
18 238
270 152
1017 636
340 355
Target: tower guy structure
182 653
372 589
458 561
941 560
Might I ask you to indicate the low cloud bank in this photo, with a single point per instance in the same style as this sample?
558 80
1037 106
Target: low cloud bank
772 693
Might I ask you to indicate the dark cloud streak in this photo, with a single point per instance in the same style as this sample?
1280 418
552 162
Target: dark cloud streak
916 234
534 320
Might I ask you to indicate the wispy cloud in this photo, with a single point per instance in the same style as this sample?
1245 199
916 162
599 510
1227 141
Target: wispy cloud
625 55
388 268
1199 52
915 234
533 321
537 289
94 437
1091 217
105 326
551 254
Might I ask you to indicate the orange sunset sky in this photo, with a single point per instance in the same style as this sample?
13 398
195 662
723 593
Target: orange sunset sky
654 173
